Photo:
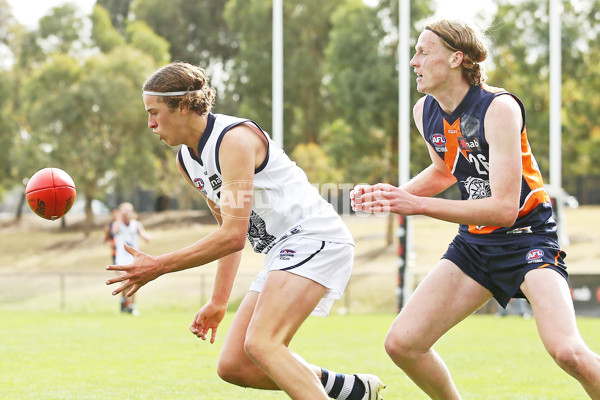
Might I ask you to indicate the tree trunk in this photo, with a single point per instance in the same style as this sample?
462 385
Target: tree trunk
162 203
89 214
19 210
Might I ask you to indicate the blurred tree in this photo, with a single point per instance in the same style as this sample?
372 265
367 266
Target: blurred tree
362 85
521 65
197 33
307 25
362 89
316 163
104 35
18 161
195 30
140 36
84 118
118 11
61 28
251 73
8 131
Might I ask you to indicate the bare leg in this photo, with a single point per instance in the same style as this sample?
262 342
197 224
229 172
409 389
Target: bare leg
234 365
285 302
237 367
549 295
444 298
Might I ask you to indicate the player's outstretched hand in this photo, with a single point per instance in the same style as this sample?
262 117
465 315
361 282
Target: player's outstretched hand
207 319
142 270
382 198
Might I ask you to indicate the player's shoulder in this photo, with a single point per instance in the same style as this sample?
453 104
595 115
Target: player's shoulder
418 107
503 106
418 113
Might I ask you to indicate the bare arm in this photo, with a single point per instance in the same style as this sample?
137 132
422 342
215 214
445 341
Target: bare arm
142 232
238 158
503 124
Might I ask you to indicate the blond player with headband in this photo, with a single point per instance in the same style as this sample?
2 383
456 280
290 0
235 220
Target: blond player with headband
254 191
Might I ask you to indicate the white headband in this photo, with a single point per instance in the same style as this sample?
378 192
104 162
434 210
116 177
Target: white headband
169 93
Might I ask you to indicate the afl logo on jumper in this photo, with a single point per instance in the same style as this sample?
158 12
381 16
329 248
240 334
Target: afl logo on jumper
535 256
199 183
439 142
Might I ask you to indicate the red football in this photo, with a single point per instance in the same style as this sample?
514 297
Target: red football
50 193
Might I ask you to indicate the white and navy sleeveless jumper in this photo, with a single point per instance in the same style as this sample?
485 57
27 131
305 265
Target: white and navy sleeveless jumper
284 202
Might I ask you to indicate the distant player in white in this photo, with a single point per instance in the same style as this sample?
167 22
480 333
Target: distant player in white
127 231
254 190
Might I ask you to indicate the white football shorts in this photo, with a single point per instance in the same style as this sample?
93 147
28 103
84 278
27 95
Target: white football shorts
327 263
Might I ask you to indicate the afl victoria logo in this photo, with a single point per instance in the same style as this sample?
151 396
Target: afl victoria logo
199 183
535 255
438 139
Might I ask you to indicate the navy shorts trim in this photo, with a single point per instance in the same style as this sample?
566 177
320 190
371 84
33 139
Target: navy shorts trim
306 260
501 268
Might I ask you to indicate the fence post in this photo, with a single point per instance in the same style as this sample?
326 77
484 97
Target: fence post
63 290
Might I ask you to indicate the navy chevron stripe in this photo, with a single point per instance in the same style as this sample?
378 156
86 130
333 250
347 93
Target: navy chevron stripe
305 261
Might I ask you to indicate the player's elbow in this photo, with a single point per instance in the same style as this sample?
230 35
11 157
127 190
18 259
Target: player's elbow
506 216
235 241
238 242
232 237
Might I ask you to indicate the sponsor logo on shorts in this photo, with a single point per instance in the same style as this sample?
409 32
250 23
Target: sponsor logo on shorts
286 254
535 256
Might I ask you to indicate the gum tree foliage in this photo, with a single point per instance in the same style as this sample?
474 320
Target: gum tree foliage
18 161
8 123
85 113
362 85
195 29
307 25
197 33
118 11
87 118
521 58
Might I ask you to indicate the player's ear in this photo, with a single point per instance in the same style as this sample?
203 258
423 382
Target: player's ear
456 58
183 109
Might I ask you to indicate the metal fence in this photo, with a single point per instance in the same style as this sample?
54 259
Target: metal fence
87 291
189 290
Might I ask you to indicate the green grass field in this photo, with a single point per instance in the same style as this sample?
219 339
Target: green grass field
111 356
62 338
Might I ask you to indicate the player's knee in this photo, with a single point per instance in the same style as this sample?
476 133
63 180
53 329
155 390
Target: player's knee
227 374
229 371
400 347
571 358
257 349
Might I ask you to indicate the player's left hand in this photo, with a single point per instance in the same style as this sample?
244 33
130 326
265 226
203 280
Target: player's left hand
382 198
207 319
142 270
